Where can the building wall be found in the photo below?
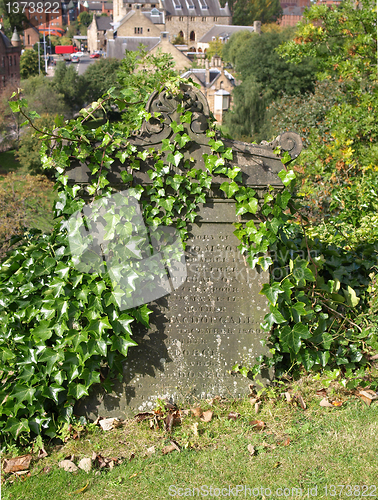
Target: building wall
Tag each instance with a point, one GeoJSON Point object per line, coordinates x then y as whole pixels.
{"type": "Point", "coordinates": [197, 25]}
{"type": "Point", "coordinates": [139, 25]}
{"type": "Point", "coordinates": [31, 37]}
{"type": "Point", "coordinates": [92, 37]}
{"type": "Point", "coordinates": [181, 61]}
{"type": "Point", "coordinates": [289, 20]}
{"type": "Point", "coordinates": [9, 66]}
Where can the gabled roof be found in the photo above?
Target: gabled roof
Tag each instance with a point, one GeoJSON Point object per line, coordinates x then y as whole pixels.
{"type": "Point", "coordinates": [103, 22]}
{"type": "Point", "coordinates": [214, 74]}
{"type": "Point", "coordinates": [197, 8]}
{"type": "Point", "coordinates": [5, 40]}
{"type": "Point", "coordinates": [123, 20]}
{"type": "Point", "coordinates": [116, 48]}
{"type": "Point", "coordinates": [223, 32]}
{"type": "Point", "coordinates": [155, 16]}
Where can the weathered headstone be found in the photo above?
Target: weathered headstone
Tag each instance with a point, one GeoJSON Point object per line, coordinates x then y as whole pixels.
{"type": "Point", "coordinates": [213, 320]}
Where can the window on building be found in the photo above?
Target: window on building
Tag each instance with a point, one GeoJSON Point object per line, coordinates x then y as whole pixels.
{"type": "Point", "coordinates": [221, 85]}
{"type": "Point", "coordinates": [192, 36]}
{"type": "Point", "coordinates": [138, 31]}
{"type": "Point", "coordinates": [215, 19]}
{"type": "Point", "coordinates": [181, 18]}
{"type": "Point", "coordinates": [204, 19]}
{"type": "Point", "coordinates": [3, 62]}
{"type": "Point", "coordinates": [192, 18]}
{"type": "Point", "coordinates": [14, 60]}
{"type": "Point", "coordinates": [10, 61]}
{"type": "Point", "coordinates": [169, 18]}
{"type": "Point", "coordinates": [28, 39]}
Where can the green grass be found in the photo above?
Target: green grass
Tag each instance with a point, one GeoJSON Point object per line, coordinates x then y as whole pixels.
{"type": "Point", "coordinates": [328, 446]}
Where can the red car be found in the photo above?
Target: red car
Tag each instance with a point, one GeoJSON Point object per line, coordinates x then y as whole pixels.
{"type": "Point", "coordinates": [95, 55]}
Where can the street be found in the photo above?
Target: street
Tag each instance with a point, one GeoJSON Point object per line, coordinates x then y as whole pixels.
{"type": "Point", "coordinates": [81, 66]}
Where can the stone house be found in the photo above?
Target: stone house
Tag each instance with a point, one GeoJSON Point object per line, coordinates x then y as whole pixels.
{"type": "Point", "coordinates": [153, 44]}
{"type": "Point", "coordinates": [188, 19]}
{"type": "Point", "coordinates": [223, 33]}
{"type": "Point", "coordinates": [217, 85]}
{"type": "Point", "coordinates": [96, 33]}
{"type": "Point", "coordinates": [10, 52]}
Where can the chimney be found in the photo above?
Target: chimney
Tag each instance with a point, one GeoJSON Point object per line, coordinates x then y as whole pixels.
{"type": "Point", "coordinates": [257, 27]}
{"type": "Point", "coordinates": [207, 72]}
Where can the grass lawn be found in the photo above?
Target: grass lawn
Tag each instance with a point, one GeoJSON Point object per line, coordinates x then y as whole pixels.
{"type": "Point", "coordinates": [313, 451]}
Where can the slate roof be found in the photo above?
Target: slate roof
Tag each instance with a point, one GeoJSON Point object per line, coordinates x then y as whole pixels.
{"type": "Point", "coordinates": [155, 16]}
{"type": "Point", "coordinates": [5, 40]}
{"type": "Point", "coordinates": [116, 48]}
{"type": "Point", "coordinates": [214, 73]}
{"type": "Point", "coordinates": [204, 8]}
{"type": "Point", "coordinates": [223, 32]}
{"type": "Point", "coordinates": [103, 23]}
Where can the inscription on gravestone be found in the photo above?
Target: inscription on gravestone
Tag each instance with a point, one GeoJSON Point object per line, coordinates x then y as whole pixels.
{"type": "Point", "coordinates": [212, 321]}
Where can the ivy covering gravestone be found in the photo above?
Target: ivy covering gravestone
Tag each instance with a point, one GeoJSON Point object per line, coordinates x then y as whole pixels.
{"type": "Point", "coordinates": [62, 329]}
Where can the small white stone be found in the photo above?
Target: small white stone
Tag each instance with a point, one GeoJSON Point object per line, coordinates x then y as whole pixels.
{"type": "Point", "coordinates": [85, 464]}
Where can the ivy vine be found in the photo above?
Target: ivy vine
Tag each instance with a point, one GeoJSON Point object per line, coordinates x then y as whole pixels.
{"type": "Point", "coordinates": [62, 330]}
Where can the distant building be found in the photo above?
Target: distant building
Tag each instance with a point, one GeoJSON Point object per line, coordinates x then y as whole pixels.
{"type": "Point", "coordinates": [117, 47]}
{"type": "Point", "coordinates": [293, 11]}
{"type": "Point", "coordinates": [97, 33]}
{"type": "Point", "coordinates": [10, 52]}
{"type": "Point", "coordinates": [188, 19]}
{"type": "Point", "coordinates": [223, 33]}
{"type": "Point", "coordinates": [217, 85]}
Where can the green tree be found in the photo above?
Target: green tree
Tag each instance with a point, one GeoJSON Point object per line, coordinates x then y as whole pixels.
{"type": "Point", "coordinates": [29, 151]}
{"type": "Point", "coordinates": [68, 83]}
{"type": "Point", "coordinates": [215, 48]}
{"type": "Point", "coordinates": [84, 19]}
{"type": "Point", "coordinates": [245, 12]}
{"type": "Point", "coordinates": [99, 77]}
{"type": "Point", "coordinates": [43, 97]}
{"type": "Point", "coordinates": [29, 65]}
{"type": "Point", "coordinates": [10, 18]}
{"type": "Point", "coordinates": [265, 76]}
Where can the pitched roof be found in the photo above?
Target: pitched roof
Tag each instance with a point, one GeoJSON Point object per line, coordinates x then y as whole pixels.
{"type": "Point", "coordinates": [155, 16]}
{"type": "Point", "coordinates": [103, 23]}
{"type": "Point", "coordinates": [195, 8]}
{"type": "Point", "coordinates": [117, 47]}
{"type": "Point", "coordinates": [223, 32]}
{"type": "Point", "coordinates": [5, 39]}
{"type": "Point", "coordinates": [214, 74]}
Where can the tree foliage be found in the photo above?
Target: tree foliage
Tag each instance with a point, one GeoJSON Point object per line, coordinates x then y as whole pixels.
{"type": "Point", "coordinates": [100, 76]}
{"type": "Point", "coordinates": [11, 19]}
{"type": "Point", "coordinates": [29, 65]}
{"type": "Point", "coordinates": [245, 12]}
{"type": "Point", "coordinates": [265, 76]}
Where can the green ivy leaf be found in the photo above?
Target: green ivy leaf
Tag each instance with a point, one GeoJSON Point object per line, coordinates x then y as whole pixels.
{"type": "Point", "coordinates": [286, 177]}
{"type": "Point", "coordinates": [230, 188]}
{"type": "Point", "coordinates": [175, 158]}
{"type": "Point", "coordinates": [271, 292]}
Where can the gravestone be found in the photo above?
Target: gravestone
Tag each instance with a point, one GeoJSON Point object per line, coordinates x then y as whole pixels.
{"type": "Point", "coordinates": [211, 322]}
